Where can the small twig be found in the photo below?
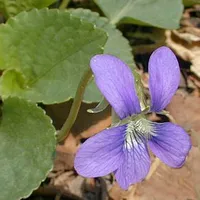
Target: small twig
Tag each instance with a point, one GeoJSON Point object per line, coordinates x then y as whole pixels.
{"type": "Point", "coordinates": [154, 167]}
{"type": "Point", "coordinates": [171, 118]}
{"type": "Point", "coordinates": [130, 194]}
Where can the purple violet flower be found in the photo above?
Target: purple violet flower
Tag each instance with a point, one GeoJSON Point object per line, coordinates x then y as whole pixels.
{"type": "Point", "coordinates": [123, 149]}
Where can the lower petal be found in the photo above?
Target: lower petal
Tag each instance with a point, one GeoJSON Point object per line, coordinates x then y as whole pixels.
{"type": "Point", "coordinates": [101, 154]}
{"type": "Point", "coordinates": [171, 144]}
{"type": "Point", "coordinates": [135, 166]}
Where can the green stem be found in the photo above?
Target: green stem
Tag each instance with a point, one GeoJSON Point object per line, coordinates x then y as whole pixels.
{"type": "Point", "coordinates": [64, 132]}
{"type": "Point", "coordinates": [64, 4]}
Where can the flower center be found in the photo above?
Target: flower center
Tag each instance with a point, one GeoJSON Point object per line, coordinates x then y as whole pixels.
{"type": "Point", "coordinates": [137, 132]}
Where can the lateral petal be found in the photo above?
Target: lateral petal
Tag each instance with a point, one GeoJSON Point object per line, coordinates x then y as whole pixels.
{"type": "Point", "coordinates": [171, 144]}
{"type": "Point", "coordinates": [101, 154]}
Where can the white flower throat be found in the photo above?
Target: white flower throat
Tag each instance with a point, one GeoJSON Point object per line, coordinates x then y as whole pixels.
{"type": "Point", "coordinates": [138, 131]}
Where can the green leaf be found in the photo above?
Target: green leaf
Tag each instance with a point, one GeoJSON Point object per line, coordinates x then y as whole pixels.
{"type": "Point", "coordinates": [159, 13]}
{"type": "Point", "coordinates": [27, 146]}
{"type": "Point", "coordinates": [48, 51]}
{"type": "Point", "coordinates": [12, 82]}
{"type": "Point", "coordinates": [116, 44]}
{"type": "Point", "coordinates": [12, 7]}
{"type": "Point", "coordinates": [121, 48]}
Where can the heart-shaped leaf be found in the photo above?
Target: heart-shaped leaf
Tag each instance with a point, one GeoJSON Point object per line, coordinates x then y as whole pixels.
{"type": "Point", "coordinates": [10, 8]}
{"type": "Point", "coordinates": [46, 53]}
{"type": "Point", "coordinates": [27, 146]}
{"type": "Point", "coordinates": [159, 13]}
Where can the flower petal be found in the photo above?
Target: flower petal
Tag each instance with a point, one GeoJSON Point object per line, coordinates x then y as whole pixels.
{"type": "Point", "coordinates": [164, 77]}
{"type": "Point", "coordinates": [116, 82]}
{"type": "Point", "coordinates": [135, 167]}
{"type": "Point", "coordinates": [171, 144]}
{"type": "Point", "coordinates": [101, 154]}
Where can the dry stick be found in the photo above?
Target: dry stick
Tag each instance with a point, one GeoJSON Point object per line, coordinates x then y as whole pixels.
{"type": "Point", "coordinates": [154, 166]}
{"type": "Point", "coordinates": [64, 132]}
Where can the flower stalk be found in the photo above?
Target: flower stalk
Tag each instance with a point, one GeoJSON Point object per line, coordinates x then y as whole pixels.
{"type": "Point", "coordinates": [64, 132]}
{"type": "Point", "coordinates": [64, 4]}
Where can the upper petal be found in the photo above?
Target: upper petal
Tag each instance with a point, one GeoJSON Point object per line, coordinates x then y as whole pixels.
{"type": "Point", "coordinates": [135, 167]}
{"type": "Point", "coordinates": [164, 77]}
{"type": "Point", "coordinates": [116, 82]}
{"type": "Point", "coordinates": [101, 154]}
{"type": "Point", "coordinates": [171, 144]}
